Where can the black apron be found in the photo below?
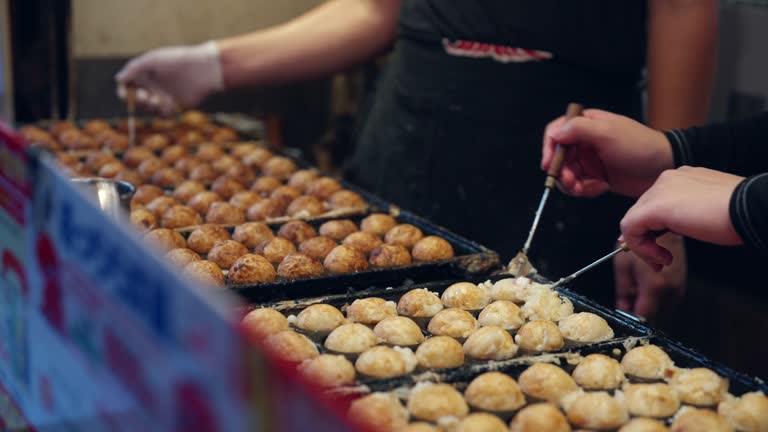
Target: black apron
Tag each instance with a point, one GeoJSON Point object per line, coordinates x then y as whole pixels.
{"type": "Point", "coordinates": [458, 140]}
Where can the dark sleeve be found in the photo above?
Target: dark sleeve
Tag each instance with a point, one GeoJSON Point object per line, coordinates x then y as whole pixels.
{"type": "Point", "coordinates": [739, 147]}
{"type": "Point", "coordinates": [749, 212]}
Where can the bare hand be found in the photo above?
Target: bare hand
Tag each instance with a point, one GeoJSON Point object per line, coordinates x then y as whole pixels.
{"type": "Point", "coordinates": [693, 202]}
{"type": "Point", "coordinates": [606, 152]}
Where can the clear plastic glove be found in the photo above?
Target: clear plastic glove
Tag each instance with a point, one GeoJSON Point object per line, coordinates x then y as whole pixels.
{"type": "Point", "coordinates": [693, 202]}
{"type": "Point", "coordinates": [172, 78]}
{"type": "Point", "coordinates": [640, 290]}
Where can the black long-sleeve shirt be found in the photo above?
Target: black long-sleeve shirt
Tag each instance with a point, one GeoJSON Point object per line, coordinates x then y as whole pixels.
{"type": "Point", "coordinates": [740, 148]}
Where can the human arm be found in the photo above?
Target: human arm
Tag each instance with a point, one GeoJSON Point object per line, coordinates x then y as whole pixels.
{"type": "Point", "coordinates": [328, 38]}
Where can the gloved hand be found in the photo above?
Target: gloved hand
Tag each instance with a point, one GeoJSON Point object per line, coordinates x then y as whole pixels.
{"type": "Point", "coordinates": [172, 78]}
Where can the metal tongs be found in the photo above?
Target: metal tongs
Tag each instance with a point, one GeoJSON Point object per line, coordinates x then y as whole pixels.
{"type": "Point", "coordinates": [521, 259]}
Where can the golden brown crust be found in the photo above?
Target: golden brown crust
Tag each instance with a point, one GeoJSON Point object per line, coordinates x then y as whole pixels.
{"type": "Point", "coordinates": [440, 352]}
{"type": "Point", "coordinates": [252, 234]}
{"type": "Point", "coordinates": [143, 219]}
{"type": "Point", "coordinates": [301, 179]}
{"type": "Point", "coordinates": [337, 229]}
{"type": "Point", "coordinates": [388, 255]}
{"type": "Point", "coordinates": [364, 241]}
{"type": "Point", "coordinates": [245, 199]}
{"type": "Point", "coordinates": [161, 204]}
{"type": "Point", "coordinates": [180, 216]}
{"type": "Point", "coordinates": [205, 272]}
{"type": "Point", "coordinates": [279, 167]}
{"type": "Point", "coordinates": [188, 189]}
{"type": "Point", "coordinates": [297, 231]}
{"type": "Point", "coordinates": [432, 248]}
{"type": "Point", "coordinates": [296, 266]}
{"type": "Point", "coordinates": [405, 235]}
{"type": "Point", "coordinates": [225, 213]}
{"type": "Point", "coordinates": [168, 178]}
{"type": "Point", "coordinates": [275, 249]}
{"type": "Point", "coordinates": [378, 223]}
{"type": "Point", "coordinates": [345, 198]}
{"type": "Point", "coordinates": [345, 259]}
{"type": "Point", "coordinates": [323, 187]}
{"type": "Point", "coordinates": [251, 269]}
{"type": "Point", "coordinates": [165, 239]}
{"type": "Point", "coordinates": [180, 257]}
{"type": "Point", "coordinates": [224, 253]}
{"type": "Point", "coordinates": [429, 401]}
{"type": "Point", "coordinates": [317, 247]}
{"type": "Point", "coordinates": [202, 239]}
{"type": "Point", "coordinates": [226, 187]}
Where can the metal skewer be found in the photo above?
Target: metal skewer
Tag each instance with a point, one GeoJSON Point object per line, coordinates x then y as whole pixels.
{"type": "Point", "coordinates": [574, 110]}
{"type": "Point", "coordinates": [130, 100]}
{"type": "Point", "coordinates": [622, 248]}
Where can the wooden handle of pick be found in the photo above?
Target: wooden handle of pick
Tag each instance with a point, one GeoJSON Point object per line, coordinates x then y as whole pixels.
{"type": "Point", "coordinates": [574, 110]}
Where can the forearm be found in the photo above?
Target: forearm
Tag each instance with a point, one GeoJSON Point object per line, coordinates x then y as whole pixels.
{"type": "Point", "coordinates": [332, 36]}
{"type": "Point", "coordinates": [682, 52]}
{"type": "Point", "coordinates": [749, 211]}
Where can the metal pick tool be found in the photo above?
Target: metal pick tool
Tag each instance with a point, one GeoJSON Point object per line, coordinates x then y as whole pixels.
{"type": "Point", "coordinates": [521, 259]}
{"type": "Point", "coordinates": [130, 101]}
{"type": "Point", "coordinates": [622, 248]}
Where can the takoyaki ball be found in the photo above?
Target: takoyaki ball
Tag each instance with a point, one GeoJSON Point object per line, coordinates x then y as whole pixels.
{"type": "Point", "coordinates": [225, 214]}
{"type": "Point", "coordinates": [202, 239]}
{"type": "Point", "coordinates": [117, 143]}
{"type": "Point", "coordinates": [494, 391]}
{"type": "Point", "coordinates": [490, 343]}
{"type": "Point", "coordinates": [328, 370]}
{"type": "Point", "coordinates": [81, 141]}
{"type": "Point", "coordinates": [466, 295]}
{"type": "Point", "coordinates": [385, 362]}
{"type": "Point", "coordinates": [456, 323]}
{"type": "Point", "coordinates": [265, 209]}
{"type": "Point", "coordinates": [222, 164]}
{"type": "Point", "coordinates": [257, 158]}
{"type": "Point", "coordinates": [297, 231]}
{"type": "Point", "coordinates": [317, 247]}
{"type": "Point", "coordinates": [338, 229]}
{"type": "Point", "coordinates": [598, 372]}
{"type": "Point", "coordinates": [205, 272]}
{"type": "Point", "coordinates": [540, 417]}
{"type": "Point", "coordinates": [245, 199]}
{"type": "Point", "coordinates": [168, 178]}
{"type": "Point", "coordinates": [279, 167]}
{"type": "Point", "coordinates": [194, 118]}
{"type": "Point", "coordinates": [371, 310]}
{"type": "Point", "coordinates": [301, 179]}
{"type": "Point", "coordinates": [419, 303]}
{"type": "Point", "coordinates": [431, 402]}
{"type": "Point", "coordinates": [225, 252]}
{"type": "Point", "coordinates": [440, 352]}
{"type": "Point", "coordinates": [145, 194]}
{"type": "Point", "coordinates": [364, 241]}
{"type": "Point", "coordinates": [539, 335]}
{"type": "Point", "coordinates": [389, 255]}
{"type": "Point", "coordinates": [747, 413]}
{"type": "Point", "coordinates": [180, 257]}
{"type": "Point", "coordinates": [285, 195]}
{"type": "Point", "coordinates": [190, 139]}
{"type": "Point", "coordinates": [187, 163]}
{"type": "Point", "coordinates": [240, 150]}
{"type": "Point", "coordinates": [275, 249]}
{"type": "Point", "coordinates": [188, 189]}
{"type": "Point", "coordinates": [149, 167]}
{"type": "Point", "coordinates": [345, 199]}
{"type": "Point", "coordinates": [251, 269]}
{"type": "Point", "coordinates": [133, 157]}
{"type": "Point", "coordinates": [161, 204]}
{"type": "Point", "coordinates": [350, 339]}
{"type": "Point", "coordinates": [155, 142]}
{"type": "Point", "coordinates": [700, 386]}
{"type": "Point", "coordinates": [692, 419]}
{"type": "Point", "coordinates": [131, 176]}
{"type": "Point", "coordinates": [400, 331]}
{"type": "Point", "coordinates": [224, 135]}
{"type": "Point", "coordinates": [162, 124]}
{"type": "Point", "coordinates": [226, 187]}
{"type": "Point", "coordinates": [58, 127]}
{"type": "Point", "coordinates": [265, 185]}
{"type": "Point", "coordinates": [596, 410]}
{"type": "Point", "coordinates": [319, 318]}
{"type": "Point", "coordinates": [305, 206]}
{"type": "Point", "coordinates": [405, 235]}
{"type": "Point", "coordinates": [291, 346]}
{"type": "Point", "coordinates": [93, 127]}
{"type": "Point", "coordinates": [345, 259]}
{"type": "Point", "coordinates": [585, 327]}
{"type": "Point", "coordinates": [180, 216]}
{"type": "Point", "coordinates": [34, 134]}
{"type": "Point", "coordinates": [547, 382]}
{"type": "Point", "coordinates": [97, 159]}
{"type": "Point", "coordinates": [209, 152]}
{"type": "Point", "coordinates": [165, 239]}
{"type": "Point", "coordinates": [378, 411]}
{"type": "Point", "coordinates": [651, 400]}
{"type": "Point", "coordinates": [640, 424]}
{"type": "Point", "coordinates": [123, 125]}
{"type": "Point", "coordinates": [111, 169]}
{"type": "Point", "coordinates": [432, 248]}
{"type": "Point", "coordinates": [203, 173]}
{"type": "Point", "coordinates": [173, 154]}
{"type": "Point", "coordinates": [323, 187]}
{"type": "Point", "coordinates": [263, 322]}
{"type": "Point", "coordinates": [69, 138]}
{"type": "Point", "coordinates": [143, 219]}
{"type": "Point", "coordinates": [241, 173]}
{"type": "Point", "coordinates": [501, 313]}
{"type": "Point", "coordinates": [481, 421]}
{"type": "Point", "coordinates": [548, 305]}
{"type": "Point", "coordinates": [297, 266]}
{"type": "Point", "coordinates": [202, 201]}
{"type": "Point", "coordinates": [647, 362]}
{"type": "Point", "coordinates": [67, 159]}
{"type": "Point", "coordinates": [252, 234]}
{"type": "Point", "coordinates": [102, 137]}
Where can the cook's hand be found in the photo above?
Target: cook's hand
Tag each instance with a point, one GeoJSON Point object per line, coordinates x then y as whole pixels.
{"type": "Point", "coordinates": [606, 152]}
{"type": "Point", "coordinates": [692, 202]}
{"type": "Point", "coordinates": [640, 290]}
{"type": "Point", "coordinates": [172, 78]}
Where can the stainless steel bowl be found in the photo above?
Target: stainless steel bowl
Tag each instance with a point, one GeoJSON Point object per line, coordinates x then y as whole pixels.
{"type": "Point", "coordinates": [113, 196]}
